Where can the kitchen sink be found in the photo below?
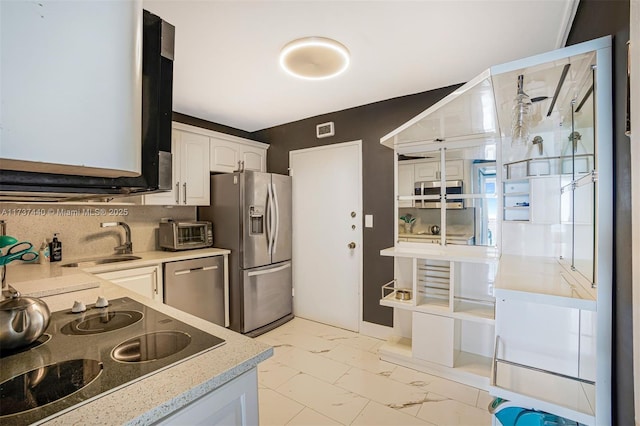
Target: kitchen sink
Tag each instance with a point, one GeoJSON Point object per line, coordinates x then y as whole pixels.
{"type": "Point", "coordinates": [85, 263]}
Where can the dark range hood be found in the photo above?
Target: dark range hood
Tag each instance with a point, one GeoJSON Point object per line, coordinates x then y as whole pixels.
{"type": "Point", "coordinates": [157, 87]}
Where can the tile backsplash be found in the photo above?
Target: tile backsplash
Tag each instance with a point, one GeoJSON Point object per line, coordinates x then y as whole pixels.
{"type": "Point", "coordinates": [78, 225]}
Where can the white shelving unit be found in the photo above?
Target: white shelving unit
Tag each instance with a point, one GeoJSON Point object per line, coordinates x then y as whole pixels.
{"type": "Point", "coordinates": [449, 320]}
{"type": "Point", "coordinates": [544, 341]}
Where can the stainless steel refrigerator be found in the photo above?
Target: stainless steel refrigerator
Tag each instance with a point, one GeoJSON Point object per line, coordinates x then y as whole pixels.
{"type": "Point", "coordinates": [251, 216]}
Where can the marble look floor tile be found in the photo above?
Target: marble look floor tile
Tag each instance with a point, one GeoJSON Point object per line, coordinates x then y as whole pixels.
{"type": "Point", "coordinates": [364, 343]}
{"type": "Point", "coordinates": [307, 342]}
{"type": "Point", "coordinates": [378, 414]}
{"type": "Point", "coordinates": [429, 383]}
{"type": "Point", "coordinates": [275, 409]}
{"type": "Point", "coordinates": [273, 374]}
{"type": "Point", "coordinates": [412, 377]}
{"type": "Point", "coordinates": [329, 400]}
{"type": "Point", "coordinates": [301, 325]}
{"type": "Point", "coordinates": [453, 390]}
{"type": "Point", "coordinates": [314, 365]}
{"type": "Point", "coordinates": [484, 399]}
{"type": "Point", "coordinates": [381, 389]}
{"type": "Point", "coordinates": [278, 346]}
{"type": "Point", "coordinates": [377, 346]}
{"type": "Point", "coordinates": [309, 417]}
{"type": "Point", "coordinates": [447, 412]}
{"type": "Point", "coordinates": [361, 359]}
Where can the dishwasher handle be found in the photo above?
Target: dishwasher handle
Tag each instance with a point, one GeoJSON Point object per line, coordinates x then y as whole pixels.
{"type": "Point", "coordinates": [190, 270]}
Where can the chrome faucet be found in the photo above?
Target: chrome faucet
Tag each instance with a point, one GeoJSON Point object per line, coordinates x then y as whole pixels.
{"type": "Point", "coordinates": [127, 247]}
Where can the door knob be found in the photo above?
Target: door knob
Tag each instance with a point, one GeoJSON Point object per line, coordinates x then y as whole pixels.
{"type": "Point", "coordinates": [352, 245]}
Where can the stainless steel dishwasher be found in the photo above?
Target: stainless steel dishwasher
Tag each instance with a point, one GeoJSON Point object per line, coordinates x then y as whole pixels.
{"type": "Point", "coordinates": [197, 286]}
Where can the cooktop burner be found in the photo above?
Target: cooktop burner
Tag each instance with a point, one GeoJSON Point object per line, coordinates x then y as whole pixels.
{"type": "Point", "coordinates": [151, 346]}
{"type": "Point", "coordinates": [91, 354]}
{"type": "Point", "coordinates": [39, 341]}
{"type": "Point", "coordinates": [102, 322]}
{"type": "Point", "coordinates": [44, 385]}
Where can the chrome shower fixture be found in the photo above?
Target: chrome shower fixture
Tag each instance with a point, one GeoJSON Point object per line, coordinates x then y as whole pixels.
{"type": "Point", "coordinates": [520, 115]}
{"type": "Point", "coordinates": [538, 141]}
{"type": "Point", "coordinates": [574, 138]}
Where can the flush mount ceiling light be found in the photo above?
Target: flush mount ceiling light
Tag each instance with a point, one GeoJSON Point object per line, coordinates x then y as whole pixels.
{"type": "Point", "coordinates": [314, 58]}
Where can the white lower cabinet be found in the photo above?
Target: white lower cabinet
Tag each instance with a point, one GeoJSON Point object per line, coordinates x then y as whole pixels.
{"type": "Point", "coordinates": [146, 281]}
{"type": "Point", "coordinates": [435, 338]}
{"type": "Point", "coordinates": [538, 335]}
{"type": "Point", "coordinates": [556, 339]}
{"type": "Point", "coordinates": [235, 403]}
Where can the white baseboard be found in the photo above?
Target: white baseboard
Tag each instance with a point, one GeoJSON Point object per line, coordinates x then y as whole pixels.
{"type": "Point", "coordinates": [375, 330]}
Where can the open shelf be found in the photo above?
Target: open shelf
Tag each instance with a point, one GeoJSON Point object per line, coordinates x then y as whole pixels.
{"type": "Point", "coordinates": [469, 369]}
{"type": "Point", "coordinates": [479, 309]}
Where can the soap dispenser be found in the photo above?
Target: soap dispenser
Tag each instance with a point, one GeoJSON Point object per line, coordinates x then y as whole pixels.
{"type": "Point", "coordinates": [55, 249]}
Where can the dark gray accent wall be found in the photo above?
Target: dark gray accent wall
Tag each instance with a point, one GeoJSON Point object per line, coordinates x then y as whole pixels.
{"type": "Point", "coordinates": [367, 123]}
{"type": "Point", "coordinates": [597, 18]}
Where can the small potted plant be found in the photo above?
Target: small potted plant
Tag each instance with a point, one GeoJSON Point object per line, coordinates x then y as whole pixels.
{"type": "Point", "coordinates": [408, 220]}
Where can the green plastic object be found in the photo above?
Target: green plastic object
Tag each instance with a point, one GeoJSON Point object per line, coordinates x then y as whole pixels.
{"type": "Point", "coordinates": [7, 240]}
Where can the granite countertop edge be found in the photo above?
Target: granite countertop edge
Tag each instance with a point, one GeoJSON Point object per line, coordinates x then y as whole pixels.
{"type": "Point", "coordinates": [196, 392]}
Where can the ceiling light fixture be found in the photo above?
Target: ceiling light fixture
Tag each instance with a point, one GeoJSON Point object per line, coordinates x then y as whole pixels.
{"type": "Point", "coordinates": [314, 58]}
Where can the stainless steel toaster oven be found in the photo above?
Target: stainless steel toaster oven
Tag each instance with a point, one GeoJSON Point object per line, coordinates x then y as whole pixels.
{"type": "Point", "coordinates": [185, 235]}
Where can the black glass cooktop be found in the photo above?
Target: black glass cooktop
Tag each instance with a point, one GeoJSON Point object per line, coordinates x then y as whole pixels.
{"type": "Point", "coordinates": [91, 354]}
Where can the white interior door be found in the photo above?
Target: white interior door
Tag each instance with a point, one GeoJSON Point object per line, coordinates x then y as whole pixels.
{"type": "Point", "coordinates": [327, 218]}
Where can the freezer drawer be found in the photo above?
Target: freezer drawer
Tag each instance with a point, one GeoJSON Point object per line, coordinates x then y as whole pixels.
{"type": "Point", "coordinates": [267, 295]}
{"type": "Point", "coordinates": [197, 287]}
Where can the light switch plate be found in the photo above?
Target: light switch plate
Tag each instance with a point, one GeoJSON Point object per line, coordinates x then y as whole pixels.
{"type": "Point", "coordinates": [368, 221]}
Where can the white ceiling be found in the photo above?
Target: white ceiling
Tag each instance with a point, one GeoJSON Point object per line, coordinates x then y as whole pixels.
{"type": "Point", "coordinates": [226, 62]}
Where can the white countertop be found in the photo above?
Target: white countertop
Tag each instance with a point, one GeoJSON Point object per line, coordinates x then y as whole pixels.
{"type": "Point", "coordinates": [37, 280]}
{"type": "Point", "coordinates": [148, 400]}
{"type": "Point", "coordinates": [456, 253]}
{"type": "Point", "coordinates": [542, 280]}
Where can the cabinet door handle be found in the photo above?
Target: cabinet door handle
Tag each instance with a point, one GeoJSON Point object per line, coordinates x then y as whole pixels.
{"type": "Point", "coordinates": [177, 192]}
{"type": "Point", "coordinates": [184, 187]}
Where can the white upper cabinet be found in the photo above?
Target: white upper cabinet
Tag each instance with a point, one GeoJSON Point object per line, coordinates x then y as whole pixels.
{"type": "Point", "coordinates": [195, 183]}
{"type": "Point", "coordinates": [190, 172]}
{"type": "Point", "coordinates": [225, 156]}
{"type": "Point", "coordinates": [71, 85]}
{"type": "Point", "coordinates": [406, 183]}
{"type": "Point", "coordinates": [431, 170]}
{"type": "Point", "coordinates": [230, 153]}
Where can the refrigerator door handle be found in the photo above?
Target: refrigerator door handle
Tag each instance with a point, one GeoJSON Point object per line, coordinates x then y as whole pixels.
{"type": "Point", "coordinates": [275, 234]}
{"type": "Point", "coordinates": [270, 221]}
{"type": "Point", "coordinates": [270, 271]}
